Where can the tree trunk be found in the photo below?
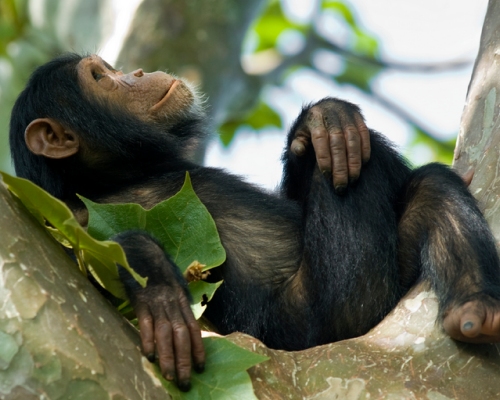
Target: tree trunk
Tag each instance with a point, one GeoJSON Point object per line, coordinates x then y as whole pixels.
{"type": "Point", "coordinates": [60, 340]}
{"type": "Point", "coordinates": [478, 141]}
{"type": "Point", "coordinates": [198, 39]}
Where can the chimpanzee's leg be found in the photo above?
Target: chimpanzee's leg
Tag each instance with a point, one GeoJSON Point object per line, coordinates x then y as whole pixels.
{"type": "Point", "coordinates": [349, 268]}
{"type": "Point", "coordinates": [444, 238]}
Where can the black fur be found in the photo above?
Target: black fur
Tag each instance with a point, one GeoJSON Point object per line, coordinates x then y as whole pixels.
{"type": "Point", "coordinates": [148, 258]}
{"type": "Point", "coordinates": [305, 266]}
{"type": "Point", "coordinates": [53, 91]}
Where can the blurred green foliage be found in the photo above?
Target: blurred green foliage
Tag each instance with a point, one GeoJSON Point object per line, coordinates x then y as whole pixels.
{"type": "Point", "coordinates": [441, 150]}
{"type": "Point", "coordinates": [25, 44]}
{"type": "Point", "coordinates": [271, 24]}
{"type": "Point", "coordinates": [14, 20]}
{"type": "Point", "coordinates": [364, 42]}
{"type": "Point", "coordinates": [260, 117]}
{"type": "Point", "coordinates": [361, 64]}
{"type": "Point", "coordinates": [21, 50]}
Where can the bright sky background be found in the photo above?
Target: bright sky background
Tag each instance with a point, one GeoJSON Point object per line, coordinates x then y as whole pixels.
{"type": "Point", "coordinates": [408, 31]}
{"type": "Point", "coordinates": [418, 31]}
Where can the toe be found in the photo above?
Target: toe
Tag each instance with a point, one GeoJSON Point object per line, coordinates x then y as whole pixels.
{"type": "Point", "coordinates": [472, 316]}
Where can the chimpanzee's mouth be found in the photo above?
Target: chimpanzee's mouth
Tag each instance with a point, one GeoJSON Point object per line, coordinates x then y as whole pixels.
{"type": "Point", "coordinates": [166, 96]}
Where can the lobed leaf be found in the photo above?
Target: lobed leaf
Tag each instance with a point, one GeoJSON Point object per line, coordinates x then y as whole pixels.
{"type": "Point", "coordinates": [102, 256]}
{"type": "Point", "coordinates": [181, 223]}
{"type": "Point", "coordinates": [201, 290]}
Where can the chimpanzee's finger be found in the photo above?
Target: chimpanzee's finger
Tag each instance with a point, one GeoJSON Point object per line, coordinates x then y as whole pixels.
{"type": "Point", "coordinates": [353, 145]}
{"type": "Point", "coordinates": [163, 339]}
{"type": "Point", "coordinates": [320, 140]}
{"type": "Point", "coordinates": [182, 345]}
{"type": "Point", "coordinates": [468, 176]}
{"type": "Point", "coordinates": [146, 327]}
{"type": "Point", "coordinates": [299, 144]}
{"type": "Point", "coordinates": [340, 171]}
{"type": "Point", "coordinates": [197, 348]}
{"type": "Point", "coordinates": [364, 134]}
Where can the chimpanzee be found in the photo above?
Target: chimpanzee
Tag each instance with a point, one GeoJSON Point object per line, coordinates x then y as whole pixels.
{"type": "Point", "coordinates": [324, 259]}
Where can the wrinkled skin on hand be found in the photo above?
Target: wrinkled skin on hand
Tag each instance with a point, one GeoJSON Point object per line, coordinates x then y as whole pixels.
{"type": "Point", "coordinates": [168, 329]}
{"type": "Point", "coordinates": [340, 138]}
{"type": "Point", "coordinates": [170, 332]}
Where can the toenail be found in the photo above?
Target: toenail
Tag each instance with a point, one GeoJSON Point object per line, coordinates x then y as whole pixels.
{"type": "Point", "coordinates": [468, 326]}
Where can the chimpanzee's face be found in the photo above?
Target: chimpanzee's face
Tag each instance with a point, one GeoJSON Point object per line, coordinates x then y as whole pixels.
{"type": "Point", "coordinates": [155, 96]}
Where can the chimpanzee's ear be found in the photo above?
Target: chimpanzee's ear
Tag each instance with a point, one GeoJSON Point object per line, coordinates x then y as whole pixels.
{"type": "Point", "coordinates": [47, 137]}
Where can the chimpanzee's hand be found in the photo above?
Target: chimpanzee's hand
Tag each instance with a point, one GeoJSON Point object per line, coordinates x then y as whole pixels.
{"type": "Point", "coordinates": [340, 139]}
{"type": "Point", "coordinates": [169, 330]}
{"type": "Point", "coordinates": [167, 325]}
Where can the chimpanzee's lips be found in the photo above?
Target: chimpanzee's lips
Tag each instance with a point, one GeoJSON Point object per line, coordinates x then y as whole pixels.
{"type": "Point", "coordinates": [168, 93]}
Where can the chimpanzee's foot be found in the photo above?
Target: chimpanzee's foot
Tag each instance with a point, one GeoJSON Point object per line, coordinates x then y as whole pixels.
{"type": "Point", "coordinates": [476, 321]}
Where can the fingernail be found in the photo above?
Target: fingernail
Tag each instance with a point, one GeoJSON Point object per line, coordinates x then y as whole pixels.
{"type": "Point", "coordinates": [199, 368]}
{"type": "Point", "coordinates": [151, 357]}
{"type": "Point", "coordinates": [169, 377]}
{"type": "Point", "coordinates": [298, 150]}
{"type": "Point", "coordinates": [340, 189]}
{"type": "Point", "coordinates": [184, 386]}
{"type": "Point", "coordinates": [326, 173]}
{"type": "Point", "coordinates": [468, 326]}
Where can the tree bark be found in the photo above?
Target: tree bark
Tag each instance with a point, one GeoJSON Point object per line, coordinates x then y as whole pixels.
{"type": "Point", "coordinates": [198, 39]}
{"type": "Point", "coordinates": [478, 141]}
{"type": "Point", "coordinates": [60, 339]}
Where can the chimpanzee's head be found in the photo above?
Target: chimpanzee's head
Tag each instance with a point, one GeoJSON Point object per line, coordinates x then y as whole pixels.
{"type": "Point", "coordinates": [79, 113]}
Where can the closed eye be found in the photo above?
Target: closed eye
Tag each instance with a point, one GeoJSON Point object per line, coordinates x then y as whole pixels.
{"type": "Point", "coordinates": [109, 66]}
{"type": "Point", "coordinates": [97, 76]}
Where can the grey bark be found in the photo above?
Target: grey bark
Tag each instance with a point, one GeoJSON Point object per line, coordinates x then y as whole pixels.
{"type": "Point", "coordinates": [198, 39]}
{"type": "Point", "coordinates": [53, 341]}
{"type": "Point", "coordinates": [478, 143]}
{"type": "Point", "coordinates": [59, 338]}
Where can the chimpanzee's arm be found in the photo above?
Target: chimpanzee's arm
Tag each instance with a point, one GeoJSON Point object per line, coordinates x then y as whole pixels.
{"type": "Point", "coordinates": [349, 264]}
{"type": "Point", "coordinates": [166, 322]}
{"type": "Point", "coordinates": [339, 137]}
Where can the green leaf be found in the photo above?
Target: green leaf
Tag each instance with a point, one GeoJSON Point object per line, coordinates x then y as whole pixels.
{"type": "Point", "coordinates": [107, 220]}
{"type": "Point", "coordinates": [364, 43]}
{"type": "Point", "coordinates": [342, 9]}
{"type": "Point", "coordinates": [263, 115]}
{"type": "Point", "coordinates": [201, 290]}
{"type": "Point", "coordinates": [442, 150]}
{"type": "Point", "coordinates": [271, 24]}
{"type": "Point", "coordinates": [227, 131]}
{"type": "Point", "coordinates": [259, 117]}
{"type": "Point", "coordinates": [181, 223]}
{"type": "Point", "coordinates": [225, 376]}
{"type": "Point", "coordinates": [102, 257]}
{"type": "Point", "coordinates": [359, 75]}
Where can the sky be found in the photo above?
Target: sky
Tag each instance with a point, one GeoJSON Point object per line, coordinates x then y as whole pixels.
{"type": "Point", "coordinates": [410, 31]}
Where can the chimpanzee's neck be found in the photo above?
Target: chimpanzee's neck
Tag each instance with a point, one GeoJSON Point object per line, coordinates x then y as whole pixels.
{"type": "Point", "coordinates": [98, 181]}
